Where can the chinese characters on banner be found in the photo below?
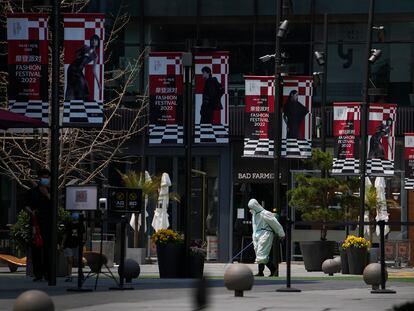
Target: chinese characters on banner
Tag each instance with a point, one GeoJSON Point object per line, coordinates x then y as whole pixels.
{"type": "Point", "coordinates": [259, 115]}
{"type": "Point", "coordinates": [211, 97]}
{"type": "Point", "coordinates": [381, 138]}
{"type": "Point", "coordinates": [166, 98]}
{"type": "Point", "coordinates": [296, 116]}
{"type": "Point", "coordinates": [27, 37]}
{"type": "Point", "coordinates": [409, 160]}
{"type": "Point", "coordinates": [84, 70]}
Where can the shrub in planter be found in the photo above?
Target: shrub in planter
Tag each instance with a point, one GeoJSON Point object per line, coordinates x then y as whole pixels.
{"type": "Point", "coordinates": [170, 253]}
{"type": "Point", "coordinates": [198, 253]}
{"type": "Point", "coordinates": [357, 251]}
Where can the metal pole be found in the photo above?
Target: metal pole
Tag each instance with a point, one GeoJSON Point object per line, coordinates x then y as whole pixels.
{"type": "Point", "coordinates": [383, 290]}
{"type": "Point", "coordinates": [277, 154]}
{"type": "Point", "coordinates": [364, 121]}
{"type": "Point", "coordinates": [54, 154]}
{"type": "Point", "coordinates": [324, 82]}
{"type": "Point", "coordinates": [187, 63]}
{"type": "Point", "coordinates": [277, 122]}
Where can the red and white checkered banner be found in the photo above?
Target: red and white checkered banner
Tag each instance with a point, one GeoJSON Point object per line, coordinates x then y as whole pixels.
{"type": "Point", "coordinates": [346, 128]}
{"type": "Point", "coordinates": [297, 117]}
{"type": "Point", "coordinates": [84, 69]}
{"type": "Point", "coordinates": [166, 98]}
{"type": "Point", "coordinates": [258, 116]}
{"type": "Point", "coordinates": [27, 37]}
{"type": "Point", "coordinates": [211, 97]}
{"type": "Point", "coordinates": [409, 160]}
{"type": "Point", "coordinates": [381, 138]}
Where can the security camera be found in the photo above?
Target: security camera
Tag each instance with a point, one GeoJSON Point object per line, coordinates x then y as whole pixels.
{"type": "Point", "coordinates": [103, 202]}
{"type": "Point", "coordinates": [375, 55]}
{"type": "Point", "coordinates": [283, 29]}
{"type": "Point", "coordinates": [266, 58]}
{"type": "Point", "coordinates": [320, 58]}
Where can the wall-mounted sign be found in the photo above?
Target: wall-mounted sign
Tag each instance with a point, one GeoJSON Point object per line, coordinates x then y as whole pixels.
{"type": "Point", "coordinates": [125, 200]}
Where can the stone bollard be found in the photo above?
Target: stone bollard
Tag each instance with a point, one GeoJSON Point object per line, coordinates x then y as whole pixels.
{"type": "Point", "coordinates": [131, 270]}
{"type": "Point", "coordinates": [331, 266]}
{"type": "Point", "coordinates": [238, 277]}
{"type": "Point", "coordinates": [372, 275]}
{"type": "Point", "coordinates": [34, 300]}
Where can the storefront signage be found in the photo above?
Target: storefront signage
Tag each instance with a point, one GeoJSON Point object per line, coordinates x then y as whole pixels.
{"type": "Point", "coordinates": [409, 161]}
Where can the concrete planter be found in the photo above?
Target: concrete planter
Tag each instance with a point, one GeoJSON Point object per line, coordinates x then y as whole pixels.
{"type": "Point", "coordinates": [315, 253]}
{"type": "Point", "coordinates": [357, 259]}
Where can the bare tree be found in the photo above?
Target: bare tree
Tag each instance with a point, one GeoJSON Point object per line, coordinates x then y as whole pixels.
{"type": "Point", "coordinates": [84, 153]}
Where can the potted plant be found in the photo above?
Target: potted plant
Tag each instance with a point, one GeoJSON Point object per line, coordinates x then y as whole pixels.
{"type": "Point", "coordinates": [357, 250]}
{"type": "Point", "coordinates": [20, 232]}
{"type": "Point", "coordinates": [170, 253]}
{"type": "Point", "coordinates": [318, 199]}
{"type": "Point", "coordinates": [198, 253]}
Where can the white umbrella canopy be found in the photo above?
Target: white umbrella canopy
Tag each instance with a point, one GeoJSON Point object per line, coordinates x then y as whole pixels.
{"type": "Point", "coordinates": [132, 220]}
{"type": "Point", "coordinates": [382, 211]}
{"type": "Point", "coordinates": [160, 220]}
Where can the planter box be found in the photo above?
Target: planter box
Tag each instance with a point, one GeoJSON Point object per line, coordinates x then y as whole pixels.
{"type": "Point", "coordinates": [315, 253]}
{"type": "Point", "coordinates": [196, 266]}
{"type": "Point", "coordinates": [357, 260]}
{"type": "Point", "coordinates": [344, 261]}
{"type": "Point", "coordinates": [171, 260]}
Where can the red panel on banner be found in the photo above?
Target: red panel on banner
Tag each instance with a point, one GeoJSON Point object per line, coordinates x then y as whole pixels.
{"type": "Point", "coordinates": [409, 160]}
{"type": "Point", "coordinates": [27, 36]}
{"type": "Point", "coordinates": [84, 69]}
{"type": "Point", "coordinates": [166, 98]}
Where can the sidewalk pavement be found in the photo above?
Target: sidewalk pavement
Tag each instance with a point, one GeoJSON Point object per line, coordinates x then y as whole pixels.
{"type": "Point", "coordinates": [319, 292]}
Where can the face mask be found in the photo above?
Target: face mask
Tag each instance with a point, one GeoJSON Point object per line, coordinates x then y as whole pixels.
{"type": "Point", "coordinates": [44, 181]}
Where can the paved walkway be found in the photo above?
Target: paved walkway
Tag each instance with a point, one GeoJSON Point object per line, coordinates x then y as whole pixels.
{"type": "Point", "coordinates": [319, 292]}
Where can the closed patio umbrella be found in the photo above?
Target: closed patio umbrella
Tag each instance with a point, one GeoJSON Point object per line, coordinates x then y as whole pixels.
{"type": "Point", "coordinates": [382, 212]}
{"type": "Point", "coordinates": [160, 220]}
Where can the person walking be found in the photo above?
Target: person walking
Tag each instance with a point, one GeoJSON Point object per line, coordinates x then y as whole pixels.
{"type": "Point", "coordinates": [265, 226]}
{"type": "Point", "coordinates": [39, 207]}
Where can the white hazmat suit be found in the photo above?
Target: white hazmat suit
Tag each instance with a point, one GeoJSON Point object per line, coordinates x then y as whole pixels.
{"type": "Point", "coordinates": [265, 225]}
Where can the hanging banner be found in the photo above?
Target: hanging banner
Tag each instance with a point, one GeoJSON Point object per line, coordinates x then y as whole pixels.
{"type": "Point", "coordinates": [27, 37]}
{"type": "Point", "coordinates": [380, 142]}
{"type": "Point", "coordinates": [381, 139]}
{"type": "Point", "coordinates": [409, 160]}
{"type": "Point", "coordinates": [211, 97]}
{"type": "Point", "coordinates": [166, 98]}
{"type": "Point", "coordinates": [258, 116]}
{"type": "Point", "coordinates": [346, 128]}
{"type": "Point", "coordinates": [84, 70]}
{"type": "Point", "coordinates": [297, 117]}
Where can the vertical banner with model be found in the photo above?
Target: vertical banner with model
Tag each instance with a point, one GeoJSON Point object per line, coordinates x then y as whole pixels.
{"type": "Point", "coordinates": [409, 160]}
{"type": "Point", "coordinates": [166, 98]}
{"type": "Point", "coordinates": [84, 70]}
{"type": "Point", "coordinates": [211, 97]}
{"type": "Point", "coordinates": [27, 37]}
{"type": "Point", "coordinates": [346, 128]}
{"type": "Point", "coordinates": [381, 138]}
{"type": "Point", "coordinates": [258, 116]}
{"type": "Point", "coordinates": [297, 117]}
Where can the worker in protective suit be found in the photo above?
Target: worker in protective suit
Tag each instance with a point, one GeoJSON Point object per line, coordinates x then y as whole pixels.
{"type": "Point", "coordinates": [265, 226]}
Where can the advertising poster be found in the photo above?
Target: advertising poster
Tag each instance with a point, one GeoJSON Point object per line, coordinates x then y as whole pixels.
{"type": "Point", "coordinates": [380, 141]}
{"type": "Point", "coordinates": [409, 160]}
{"type": "Point", "coordinates": [346, 129]}
{"type": "Point", "coordinates": [259, 115]}
{"type": "Point", "coordinates": [297, 117]}
{"type": "Point", "coordinates": [84, 70]}
{"type": "Point", "coordinates": [211, 98]}
{"type": "Point", "coordinates": [166, 98]}
{"type": "Point", "coordinates": [27, 38]}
